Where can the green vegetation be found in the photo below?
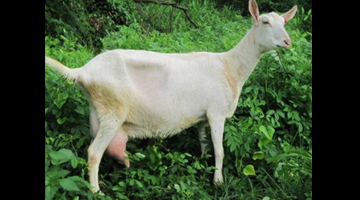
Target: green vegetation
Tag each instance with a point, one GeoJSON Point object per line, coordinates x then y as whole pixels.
{"type": "Point", "coordinates": [268, 142]}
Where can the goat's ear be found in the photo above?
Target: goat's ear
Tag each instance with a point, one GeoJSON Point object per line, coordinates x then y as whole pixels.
{"type": "Point", "coordinates": [290, 14]}
{"type": "Point", "coordinates": [254, 10]}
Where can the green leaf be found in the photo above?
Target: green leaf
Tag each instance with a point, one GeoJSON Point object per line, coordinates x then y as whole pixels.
{"type": "Point", "coordinates": [268, 131]}
{"type": "Point", "coordinates": [233, 147]}
{"type": "Point", "coordinates": [61, 121]}
{"type": "Point", "coordinates": [132, 182]}
{"type": "Point", "coordinates": [259, 155]}
{"type": "Point", "coordinates": [247, 90]}
{"type": "Point", "coordinates": [292, 153]}
{"type": "Point", "coordinates": [69, 185]}
{"type": "Point", "coordinates": [61, 156]}
{"type": "Point", "coordinates": [152, 158]}
{"type": "Point", "coordinates": [50, 192]}
{"type": "Point", "coordinates": [60, 101]}
{"type": "Point", "coordinates": [62, 173]}
{"type": "Point", "coordinates": [140, 156]}
{"type": "Point", "coordinates": [232, 128]}
{"type": "Point", "coordinates": [139, 184]}
{"type": "Point", "coordinates": [177, 188]}
{"type": "Point", "coordinates": [270, 112]}
{"type": "Point", "coordinates": [280, 113]}
{"type": "Point", "coordinates": [74, 162]}
{"type": "Point", "coordinates": [263, 141]}
{"type": "Point", "coordinates": [249, 170]}
{"type": "Point", "coordinates": [263, 129]}
{"type": "Point", "coordinates": [122, 184]}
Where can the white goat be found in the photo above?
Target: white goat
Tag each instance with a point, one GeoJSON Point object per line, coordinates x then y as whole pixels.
{"type": "Point", "coordinates": [142, 94]}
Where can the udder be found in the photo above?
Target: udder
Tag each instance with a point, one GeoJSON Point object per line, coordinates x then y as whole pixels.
{"type": "Point", "coordinates": [117, 148]}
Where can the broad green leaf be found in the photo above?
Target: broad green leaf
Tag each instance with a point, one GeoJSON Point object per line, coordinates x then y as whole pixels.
{"type": "Point", "coordinates": [268, 131]}
{"type": "Point", "coordinates": [80, 110]}
{"type": "Point", "coordinates": [233, 147]}
{"type": "Point", "coordinates": [270, 112]}
{"type": "Point", "coordinates": [74, 162]}
{"type": "Point", "coordinates": [152, 158]}
{"type": "Point", "coordinates": [140, 156]}
{"type": "Point", "coordinates": [263, 129]}
{"type": "Point", "coordinates": [61, 121]}
{"type": "Point", "coordinates": [61, 156]}
{"type": "Point", "coordinates": [122, 184]}
{"type": "Point", "coordinates": [60, 101]}
{"type": "Point", "coordinates": [139, 184]}
{"type": "Point", "coordinates": [280, 113]}
{"type": "Point", "coordinates": [258, 155]}
{"type": "Point", "coordinates": [132, 182]}
{"type": "Point", "coordinates": [69, 185]}
{"type": "Point", "coordinates": [263, 141]}
{"type": "Point", "coordinates": [177, 188]}
{"type": "Point", "coordinates": [249, 170]}
{"type": "Point", "coordinates": [232, 128]}
{"type": "Point", "coordinates": [50, 192]}
{"type": "Point", "coordinates": [63, 173]}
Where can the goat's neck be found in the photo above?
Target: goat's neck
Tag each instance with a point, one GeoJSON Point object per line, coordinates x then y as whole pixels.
{"type": "Point", "coordinates": [244, 57]}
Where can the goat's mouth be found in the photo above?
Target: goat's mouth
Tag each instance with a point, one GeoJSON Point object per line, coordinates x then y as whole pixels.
{"type": "Point", "coordinates": [286, 44]}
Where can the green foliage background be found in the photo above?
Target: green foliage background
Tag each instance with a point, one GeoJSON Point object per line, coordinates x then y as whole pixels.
{"type": "Point", "coordinates": [268, 142]}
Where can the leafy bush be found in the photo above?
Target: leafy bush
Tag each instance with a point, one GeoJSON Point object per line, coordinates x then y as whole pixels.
{"type": "Point", "coordinates": [268, 142]}
{"type": "Point", "coordinates": [267, 5]}
{"type": "Point", "coordinates": [85, 20]}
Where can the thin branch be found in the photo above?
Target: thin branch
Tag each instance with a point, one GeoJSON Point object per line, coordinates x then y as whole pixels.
{"type": "Point", "coordinates": [172, 4]}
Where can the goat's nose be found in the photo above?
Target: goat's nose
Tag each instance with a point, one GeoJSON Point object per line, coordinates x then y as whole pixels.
{"type": "Point", "coordinates": [287, 42]}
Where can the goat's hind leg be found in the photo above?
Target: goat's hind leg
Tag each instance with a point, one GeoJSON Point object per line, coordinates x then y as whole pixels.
{"type": "Point", "coordinates": [117, 146]}
{"type": "Point", "coordinates": [202, 136]}
{"type": "Point", "coordinates": [108, 127]}
{"type": "Point", "coordinates": [94, 123]}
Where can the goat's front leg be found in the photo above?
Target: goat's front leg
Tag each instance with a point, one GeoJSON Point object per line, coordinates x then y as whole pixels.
{"type": "Point", "coordinates": [217, 133]}
{"type": "Point", "coordinates": [117, 147]}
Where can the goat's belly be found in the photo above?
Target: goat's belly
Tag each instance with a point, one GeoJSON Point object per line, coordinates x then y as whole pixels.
{"type": "Point", "coordinates": [162, 117]}
{"type": "Point", "coordinates": [166, 129]}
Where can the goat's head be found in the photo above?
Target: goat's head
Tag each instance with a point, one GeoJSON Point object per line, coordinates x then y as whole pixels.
{"type": "Point", "coordinates": [269, 28]}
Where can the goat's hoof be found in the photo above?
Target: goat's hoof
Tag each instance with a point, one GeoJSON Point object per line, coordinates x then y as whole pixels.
{"type": "Point", "coordinates": [96, 191]}
{"type": "Point", "coordinates": [99, 192]}
{"type": "Point", "coordinates": [218, 181]}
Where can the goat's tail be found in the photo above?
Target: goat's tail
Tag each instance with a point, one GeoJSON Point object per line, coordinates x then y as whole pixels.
{"type": "Point", "coordinates": [70, 74]}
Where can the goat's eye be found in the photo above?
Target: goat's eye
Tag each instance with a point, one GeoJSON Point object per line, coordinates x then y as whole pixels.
{"type": "Point", "coordinates": [266, 22]}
